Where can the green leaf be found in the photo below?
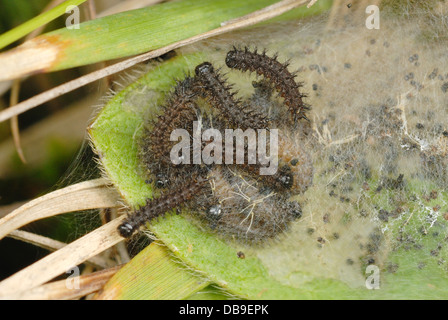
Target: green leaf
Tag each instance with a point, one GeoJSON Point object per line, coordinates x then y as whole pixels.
{"type": "Point", "coordinates": [153, 274]}
{"type": "Point", "coordinates": [32, 24]}
{"type": "Point", "coordinates": [123, 34]}
{"type": "Point", "coordinates": [264, 273]}
{"type": "Point", "coordinates": [146, 29]}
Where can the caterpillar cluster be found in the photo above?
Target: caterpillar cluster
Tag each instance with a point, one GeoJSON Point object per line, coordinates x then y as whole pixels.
{"type": "Point", "coordinates": [232, 198]}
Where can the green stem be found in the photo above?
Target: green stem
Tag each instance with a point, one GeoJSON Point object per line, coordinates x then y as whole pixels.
{"type": "Point", "coordinates": [15, 34]}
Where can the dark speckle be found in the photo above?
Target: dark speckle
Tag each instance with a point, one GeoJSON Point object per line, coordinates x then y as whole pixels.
{"type": "Point", "coordinates": [421, 265]}
{"type": "Point", "coordinates": [445, 87]}
{"type": "Point", "coordinates": [433, 74]}
{"type": "Point", "coordinates": [409, 76]}
{"type": "Point", "coordinates": [413, 58]}
{"type": "Point", "coordinates": [365, 186]}
{"type": "Point", "coordinates": [423, 231]}
{"type": "Point", "coordinates": [417, 85]}
{"type": "Point", "coordinates": [433, 194]}
{"type": "Point", "coordinates": [363, 213]}
{"type": "Point", "coordinates": [383, 215]}
{"type": "Point", "coordinates": [392, 267]}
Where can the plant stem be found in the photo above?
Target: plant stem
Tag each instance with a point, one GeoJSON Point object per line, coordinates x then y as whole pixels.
{"type": "Point", "coordinates": [15, 34]}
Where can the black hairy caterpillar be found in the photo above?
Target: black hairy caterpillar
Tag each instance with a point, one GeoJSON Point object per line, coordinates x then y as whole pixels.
{"type": "Point", "coordinates": [275, 72]}
{"type": "Point", "coordinates": [178, 109]}
{"type": "Point", "coordinates": [236, 207]}
{"type": "Point", "coordinates": [216, 89]}
{"type": "Point", "coordinates": [232, 198]}
{"type": "Point", "coordinates": [159, 206]}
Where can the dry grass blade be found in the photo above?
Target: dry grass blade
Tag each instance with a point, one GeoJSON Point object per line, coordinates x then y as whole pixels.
{"type": "Point", "coordinates": [246, 21]}
{"type": "Point", "coordinates": [62, 260]}
{"type": "Point", "coordinates": [7, 209]}
{"type": "Point", "coordinates": [14, 98]}
{"type": "Point", "coordinates": [51, 245]}
{"type": "Point", "coordinates": [68, 124]}
{"type": "Point", "coordinates": [37, 240]}
{"type": "Point", "coordinates": [124, 6]}
{"type": "Point", "coordinates": [82, 196]}
{"type": "Point", "coordinates": [75, 288]}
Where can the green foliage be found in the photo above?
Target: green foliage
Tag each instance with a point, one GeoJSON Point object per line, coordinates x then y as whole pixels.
{"type": "Point", "coordinates": [114, 134]}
